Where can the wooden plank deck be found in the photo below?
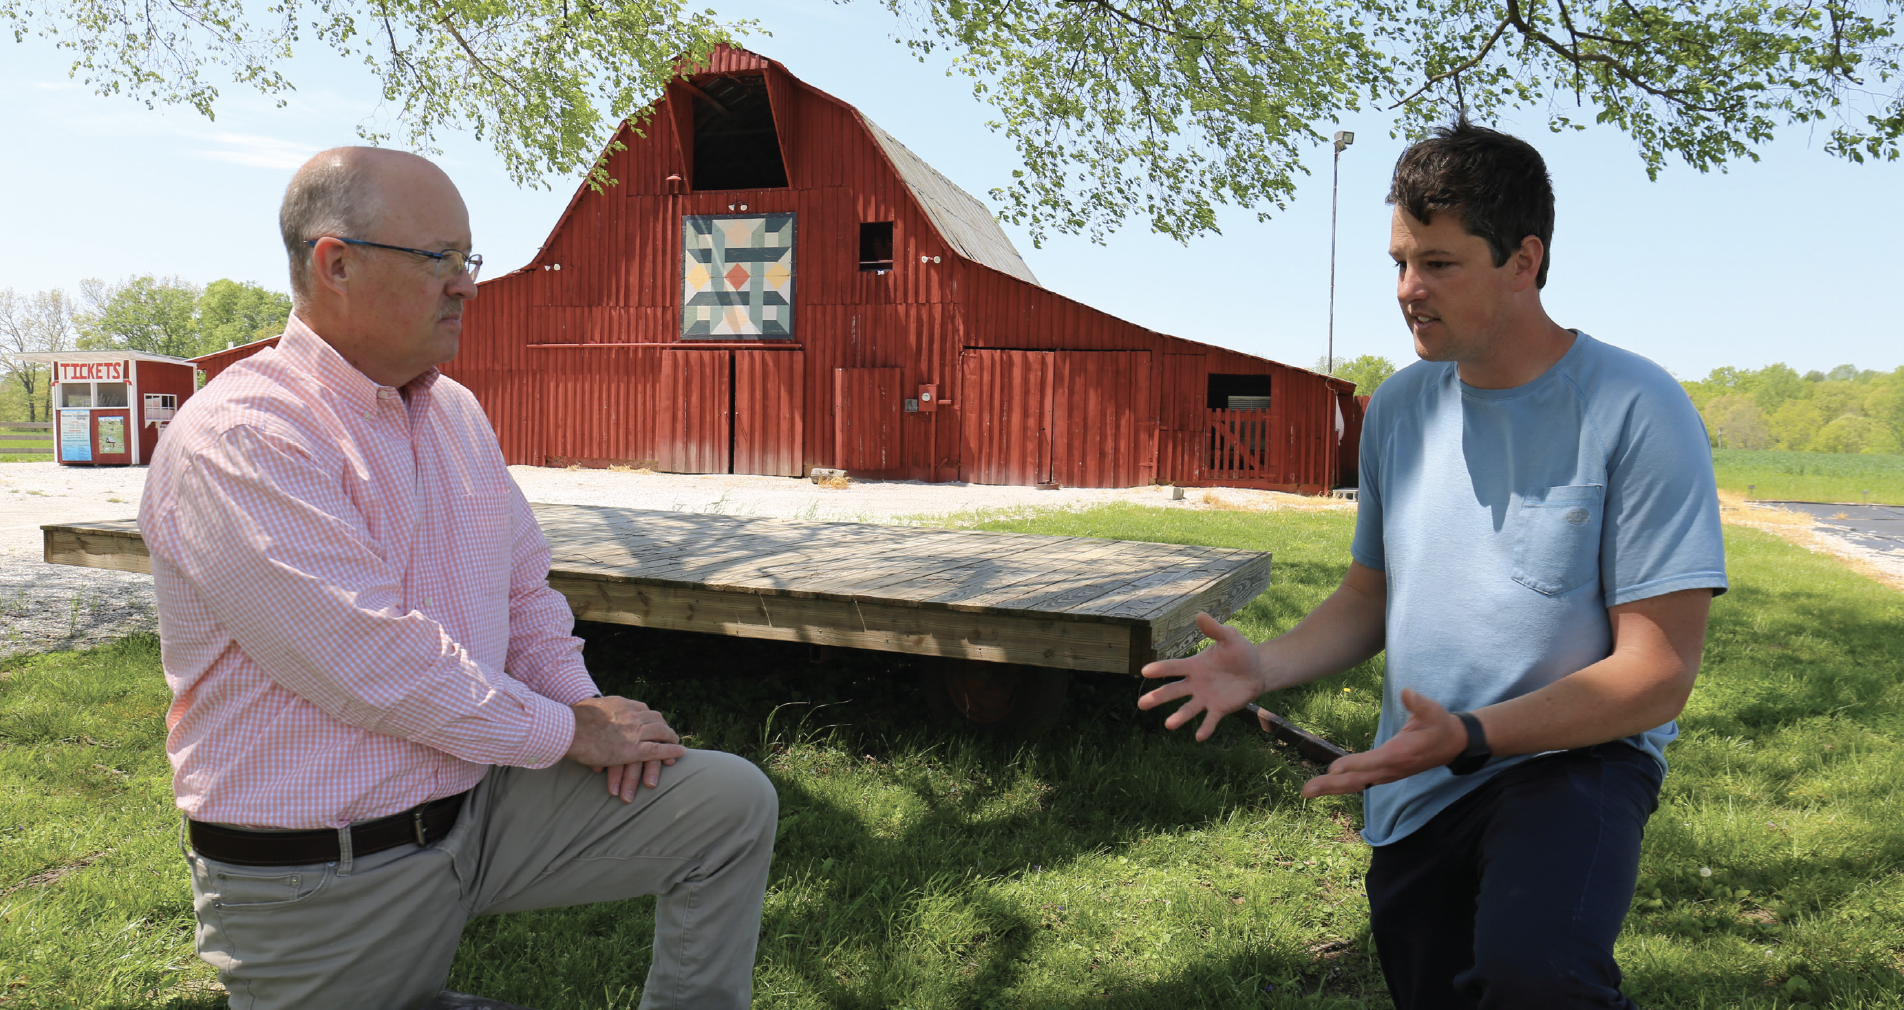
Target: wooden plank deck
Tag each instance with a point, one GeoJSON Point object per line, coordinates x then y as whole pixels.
{"type": "Point", "coordinates": [1079, 603]}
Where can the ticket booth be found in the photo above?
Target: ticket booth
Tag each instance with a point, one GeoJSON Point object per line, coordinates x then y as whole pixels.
{"type": "Point", "coordinates": [110, 407]}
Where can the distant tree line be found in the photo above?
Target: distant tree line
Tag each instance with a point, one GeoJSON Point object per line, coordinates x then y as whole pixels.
{"type": "Point", "coordinates": [1847, 409]}
{"type": "Point", "coordinates": [158, 315]}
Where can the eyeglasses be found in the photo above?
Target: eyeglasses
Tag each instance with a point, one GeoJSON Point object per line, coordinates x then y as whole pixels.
{"type": "Point", "coordinates": [454, 260]}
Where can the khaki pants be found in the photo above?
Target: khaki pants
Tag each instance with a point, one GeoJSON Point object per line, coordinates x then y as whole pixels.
{"type": "Point", "coordinates": [380, 931]}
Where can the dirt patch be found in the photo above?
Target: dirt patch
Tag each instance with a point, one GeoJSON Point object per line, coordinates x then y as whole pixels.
{"type": "Point", "coordinates": [45, 877]}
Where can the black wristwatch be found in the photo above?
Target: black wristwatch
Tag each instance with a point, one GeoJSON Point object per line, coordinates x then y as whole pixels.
{"type": "Point", "coordinates": [1470, 761]}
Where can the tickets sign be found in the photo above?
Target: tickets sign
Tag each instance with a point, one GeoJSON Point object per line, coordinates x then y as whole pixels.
{"type": "Point", "coordinates": [92, 371]}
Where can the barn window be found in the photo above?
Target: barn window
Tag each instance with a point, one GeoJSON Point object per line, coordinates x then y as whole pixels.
{"type": "Point", "coordinates": [735, 143]}
{"type": "Point", "coordinates": [876, 245]}
{"type": "Point", "coordinates": [1238, 392]}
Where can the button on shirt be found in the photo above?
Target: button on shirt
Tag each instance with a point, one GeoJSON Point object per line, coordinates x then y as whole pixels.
{"type": "Point", "coordinates": [344, 573]}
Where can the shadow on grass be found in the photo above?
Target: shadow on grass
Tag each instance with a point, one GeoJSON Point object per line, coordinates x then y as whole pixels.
{"type": "Point", "coordinates": [907, 847]}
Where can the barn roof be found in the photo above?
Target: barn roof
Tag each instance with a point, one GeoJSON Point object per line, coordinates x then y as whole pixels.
{"type": "Point", "coordinates": [49, 357]}
{"type": "Point", "coordinates": [959, 217]}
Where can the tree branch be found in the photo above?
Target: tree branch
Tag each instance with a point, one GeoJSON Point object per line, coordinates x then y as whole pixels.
{"type": "Point", "coordinates": [1123, 15]}
{"type": "Point", "coordinates": [475, 60]}
{"type": "Point", "coordinates": [1456, 72]}
{"type": "Point", "coordinates": [1620, 69]}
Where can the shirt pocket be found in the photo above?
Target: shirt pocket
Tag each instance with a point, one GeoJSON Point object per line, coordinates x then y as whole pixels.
{"type": "Point", "coordinates": [1557, 538]}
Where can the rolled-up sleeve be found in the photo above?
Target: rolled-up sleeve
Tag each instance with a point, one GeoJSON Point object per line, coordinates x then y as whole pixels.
{"type": "Point", "coordinates": [283, 558]}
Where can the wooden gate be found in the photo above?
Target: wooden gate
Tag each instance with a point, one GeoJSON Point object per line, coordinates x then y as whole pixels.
{"type": "Point", "coordinates": [1005, 416]}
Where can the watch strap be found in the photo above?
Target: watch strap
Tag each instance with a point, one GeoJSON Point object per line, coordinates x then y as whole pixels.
{"type": "Point", "coordinates": [1477, 753]}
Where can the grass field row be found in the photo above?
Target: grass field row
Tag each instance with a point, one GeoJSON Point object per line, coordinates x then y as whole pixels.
{"type": "Point", "coordinates": [1109, 863]}
{"type": "Point", "coordinates": [1768, 474]}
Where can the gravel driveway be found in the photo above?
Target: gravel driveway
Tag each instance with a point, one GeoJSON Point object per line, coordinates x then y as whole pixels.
{"type": "Point", "coordinates": [46, 606]}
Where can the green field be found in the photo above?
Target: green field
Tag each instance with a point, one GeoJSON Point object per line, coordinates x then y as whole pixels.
{"type": "Point", "coordinates": [1810, 476]}
{"type": "Point", "coordinates": [1109, 863]}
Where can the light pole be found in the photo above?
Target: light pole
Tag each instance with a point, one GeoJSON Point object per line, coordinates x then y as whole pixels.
{"type": "Point", "coordinates": [1343, 138]}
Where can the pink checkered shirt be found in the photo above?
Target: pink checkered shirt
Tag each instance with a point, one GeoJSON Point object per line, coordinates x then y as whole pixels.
{"type": "Point", "coordinates": [343, 575]}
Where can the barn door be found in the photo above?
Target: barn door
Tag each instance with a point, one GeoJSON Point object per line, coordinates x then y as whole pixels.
{"type": "Point", "coordinates": [1104, 419]}
{"type": "Point", "coordinates": [867, 408]}
{"type": "Point", "coordinates": [695, 428]}
{"type": "Point", "coordinates": [768, 412]}
{"type": "Point", "coordinates": [1005, 416]}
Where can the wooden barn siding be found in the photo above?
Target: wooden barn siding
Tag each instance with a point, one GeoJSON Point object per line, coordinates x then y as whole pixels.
{"type": "Point", "coordinates": [1006, 421]}
{"type": "Point", "coordinates": [217, 361]}
{"type": "Point", "coordinates": [157, 377]}
{"type": "Point", "coordinates": [618, 293]}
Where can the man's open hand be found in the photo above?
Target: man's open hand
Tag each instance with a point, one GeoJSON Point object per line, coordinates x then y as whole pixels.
{"type": "Point", "coordinates": [1432, 737]}
{"type": "Point", "coordinates": [1219, 680]}
{"type": "Point", "coordinates": [628, 739]}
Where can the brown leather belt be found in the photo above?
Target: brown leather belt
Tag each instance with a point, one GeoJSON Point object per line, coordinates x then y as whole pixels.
{"type": "Point", "coordinates": [419, 825]}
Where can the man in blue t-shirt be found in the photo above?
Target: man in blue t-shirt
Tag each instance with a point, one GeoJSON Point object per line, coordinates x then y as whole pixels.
{"type": "Point", "coordinates": [1536, 550]}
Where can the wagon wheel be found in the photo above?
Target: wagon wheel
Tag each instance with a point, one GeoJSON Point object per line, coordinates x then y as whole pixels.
{"type": "Point", "coordinates": [997, 699]}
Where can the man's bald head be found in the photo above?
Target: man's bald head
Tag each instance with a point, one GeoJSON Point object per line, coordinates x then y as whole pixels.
{"type": "Point", "coordinates": [340, 192]}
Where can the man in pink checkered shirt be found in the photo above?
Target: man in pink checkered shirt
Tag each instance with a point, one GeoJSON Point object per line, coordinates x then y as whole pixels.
{"type": "Point", "coordinates": [382, 726]}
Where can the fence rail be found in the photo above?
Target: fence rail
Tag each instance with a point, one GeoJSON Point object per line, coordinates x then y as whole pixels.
{"type": "Point", "coordinates": [9, 435]}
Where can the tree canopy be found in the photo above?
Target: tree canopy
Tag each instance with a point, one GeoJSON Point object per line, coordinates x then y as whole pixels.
{"type": "Point", "coordinates": [171, 316]}
{"type": "Point", "coordinates": [1847, 409]}
{"type": "Point", "coordinates": [1162, 109]}
{"type": "Point", "coordinates": [42, 321]}
{"type": "Point", "coordinates": [1367, 371]}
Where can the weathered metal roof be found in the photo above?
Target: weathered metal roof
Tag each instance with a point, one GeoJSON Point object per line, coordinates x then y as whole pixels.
{"type": "Point", "coordinates": [49, 357]}
{"type": "Point", "coordinates": [964, 222]}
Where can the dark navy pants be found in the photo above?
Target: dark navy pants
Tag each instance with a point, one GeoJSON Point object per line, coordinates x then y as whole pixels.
{"type": "Point", "coordinates": [1510, 899]}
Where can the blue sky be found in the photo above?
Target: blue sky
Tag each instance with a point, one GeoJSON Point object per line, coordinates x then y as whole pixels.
{"type": "Point", "coordinates": [1784, 260]}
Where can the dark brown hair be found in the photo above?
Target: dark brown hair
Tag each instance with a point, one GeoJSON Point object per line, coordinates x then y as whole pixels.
{"type": "Point", "coordinates": [1497, 183]}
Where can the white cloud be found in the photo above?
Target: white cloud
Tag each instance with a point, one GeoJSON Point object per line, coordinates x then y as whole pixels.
{"type": "Point", "coordinates": [256, 151]}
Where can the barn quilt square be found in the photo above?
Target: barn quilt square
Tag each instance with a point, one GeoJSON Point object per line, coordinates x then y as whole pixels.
{"type": "Point", "coordinates": [737, 276]}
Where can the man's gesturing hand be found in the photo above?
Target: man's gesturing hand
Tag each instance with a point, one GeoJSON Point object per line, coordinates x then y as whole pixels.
{"type": "Point", "coordinates": [622, 736]}
{"type": "Point", "coordinates": [1219, 680]}
{"type": "Point", "coordinates": [1432, 737]}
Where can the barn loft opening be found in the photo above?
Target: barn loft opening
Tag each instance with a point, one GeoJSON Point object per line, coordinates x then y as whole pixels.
{"type": "Point", "coordinates": [1238, 392]}
{"type": "Point", "coordinates": [876, 245]}
{"type": "Point", "coordinates": [736, 145]}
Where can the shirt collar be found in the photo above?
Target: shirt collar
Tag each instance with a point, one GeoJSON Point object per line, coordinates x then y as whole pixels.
{"type": "Point", "coordinates": [313, 355]}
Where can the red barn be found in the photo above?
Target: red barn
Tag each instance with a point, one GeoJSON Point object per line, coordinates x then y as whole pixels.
{"type": "Point", "coordinates": [776, 283]}
{"type": "Point", "coordinates": [210, 365]}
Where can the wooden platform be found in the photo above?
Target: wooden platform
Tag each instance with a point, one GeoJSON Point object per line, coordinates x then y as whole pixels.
{"type": "Point", "coordinates": [1074, 602]}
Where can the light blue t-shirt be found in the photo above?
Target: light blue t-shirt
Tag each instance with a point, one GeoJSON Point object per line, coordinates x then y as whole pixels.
{"type": "Point", "coordinates": [1508, 521]}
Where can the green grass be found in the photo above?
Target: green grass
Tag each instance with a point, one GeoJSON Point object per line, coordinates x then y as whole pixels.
{"type": "Point", "coordinates": [1109, 863]}
{"type": "Point", "coordinates": [1810, 476]}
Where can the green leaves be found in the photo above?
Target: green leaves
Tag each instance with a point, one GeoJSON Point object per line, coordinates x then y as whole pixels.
{"type": "Point", "coordinates": [1166, 110]}
{"type": "Point", "coordinates": [1368, 372]}
{"type": "Point", "coordinates": [542, 81]}
{"type": "Point", "coordinates": [171, 316]}
{"type": "Point", "coordinates": [1848, 411]}
{"type": "Point", "coordinates": [1152, 109]}
{"type": "Point", "coordinates": [150, 314]}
